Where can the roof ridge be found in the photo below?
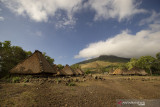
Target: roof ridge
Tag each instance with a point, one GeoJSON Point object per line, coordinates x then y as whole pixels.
{"type": "Point", "coordinates": [40, 61]}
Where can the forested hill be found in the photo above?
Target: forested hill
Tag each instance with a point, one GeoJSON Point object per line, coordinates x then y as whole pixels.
{"type": "Point", "coordinates": [106, 58]}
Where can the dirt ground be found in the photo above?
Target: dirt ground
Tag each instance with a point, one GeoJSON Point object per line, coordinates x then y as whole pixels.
{"type": "Point", "coordinates": [89, 91]}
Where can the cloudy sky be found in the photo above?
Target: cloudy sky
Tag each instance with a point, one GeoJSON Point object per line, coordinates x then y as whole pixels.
{"type": "Point", "coordinates": [74, 30]}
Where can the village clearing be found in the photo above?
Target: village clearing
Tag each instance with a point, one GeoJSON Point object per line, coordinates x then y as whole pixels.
{"type": "Point", "coordinates": [81, 91]}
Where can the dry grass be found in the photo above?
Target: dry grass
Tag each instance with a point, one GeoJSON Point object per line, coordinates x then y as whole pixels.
{"type": "Point", "coordinates": [97, 64]}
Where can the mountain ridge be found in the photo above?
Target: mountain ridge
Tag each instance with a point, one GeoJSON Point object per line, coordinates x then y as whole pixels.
{"type": "Point", "coordinates": [106, 58]}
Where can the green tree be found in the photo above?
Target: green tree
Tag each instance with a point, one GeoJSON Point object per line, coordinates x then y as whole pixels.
{"type": "Point", "coordinates": [10, 56]}
{"type": "Point", "coordinates": [132, 63]}
{"type": "Point", "coordinates": [49, 59]}
{"type": "Point", "coordinates": [29, 53]}
{"type": "Point", "coordinates": [146, 62]}
{"type": "Point", "coordinates": [60, 66]}
{"type": "Point", "coordinates": [158, 55]}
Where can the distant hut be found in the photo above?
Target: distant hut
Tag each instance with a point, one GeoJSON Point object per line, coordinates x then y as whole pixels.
{"type": "Point", "coordinates": [76, 72]}
{"type": "Point", "coordinates": [34, 64]}
{"type": "Point", "coordinates": [134, 71]}
{"type": "Point", "coordinates": [67, 70]}
{"type": "Point", "coordinates": [79, 71]}
{"type": "Point", "coordinates": [126, 72]}
{"type": "Point", "coordinates": [118, 72]}
{"type": "Point", "coordinates": [141, 72]}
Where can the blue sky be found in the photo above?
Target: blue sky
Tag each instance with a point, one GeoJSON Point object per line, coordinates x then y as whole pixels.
{"type": "Point", "coordinates": [71, 31]}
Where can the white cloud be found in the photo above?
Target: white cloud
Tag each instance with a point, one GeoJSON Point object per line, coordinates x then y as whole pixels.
{"type": "Point", "coordinates": [121, 9]}
{"type": "Point", "coordinates": [144, 42]}
{"type": "Point", "coordinates": [42, 10]}
{"type": "Point", "coordinates": [63, 22]}
{"type": "Point", "coordinates": [154, 18]}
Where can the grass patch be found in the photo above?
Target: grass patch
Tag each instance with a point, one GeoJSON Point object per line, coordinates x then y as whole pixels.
{"type": "Point", "coordinates": [26, 80]}
{"type": "Point", "coordinates": [16, 79]}
{"type": "Point", "coordinates": [88, 71]}
{"type": "Point", "coordinates": [58, 80]}
{"type": "Point", "coordinates": [71, 84]}
{"type": "Point", "coordinates": [24, 85]}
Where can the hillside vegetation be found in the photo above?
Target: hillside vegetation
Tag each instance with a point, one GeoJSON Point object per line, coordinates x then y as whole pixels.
{"type": "Point", "coordinates": [97, 64]}
{"type": "Point", "coordinates": [101, 63]}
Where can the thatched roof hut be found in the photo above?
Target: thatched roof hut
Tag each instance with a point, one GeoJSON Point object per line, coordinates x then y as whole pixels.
{"type": "Point", "coordinates": [141, 72]}
{"type": "Point", "coordinates": [80, 72]}
{"type": "Point", "coordinates": [76, 72]}
{"type": "Point", "coordinates": [34, 64]}
{"type": "Point", "coordinates": [67, 70]}
{"type": "Point", "coordinates": [55, 67]}
{"type": "Point", "coordinates": [126, 72]}
{"type": "Point", "coordinates": [118, 72]}
{"type": "Point", "coordinates": [134, 71]}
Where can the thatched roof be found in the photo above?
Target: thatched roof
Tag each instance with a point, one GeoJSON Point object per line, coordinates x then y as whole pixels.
{"type": "Point", "coordinates": [141, 72]}
{"type": "Point", "coordinates": [134, 71]}
{"type": "Point", "coordinates": [79, 71]}
{"type": "Point", "coordinates": [55, 67]}
{"type": "Point", "coordinates": [67, 70]}
{"type": "Point", "coordinates": [76, 72]}
{"type": "Point", "coordinates": [128, 72]}
{"type": "Point", "coordinates": [34, 64]}
{"type": "Point", "coordinates": [118, 72]}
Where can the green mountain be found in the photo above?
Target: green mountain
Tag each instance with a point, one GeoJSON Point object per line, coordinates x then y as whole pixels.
{"type": "Point", "coordinates": [106, 58]}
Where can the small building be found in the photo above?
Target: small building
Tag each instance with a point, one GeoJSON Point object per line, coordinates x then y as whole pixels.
{"type": "Point", "coordinates": [34, 64]}
{"type": "Point", "coordinates": [134, 71]}
{"type": "Point", "coordinates": [67, 71]}
{"type": "Point", "coordinates": [79, 71]}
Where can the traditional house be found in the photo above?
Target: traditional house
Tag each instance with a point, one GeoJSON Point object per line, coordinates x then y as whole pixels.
{"type": "Point", "coordinates": [34, 64]}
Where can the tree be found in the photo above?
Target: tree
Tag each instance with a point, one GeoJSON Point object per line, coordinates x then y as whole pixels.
{"type": "Point", "coordinates": [29, 53]}
{"type": "Point", "coordinates": [11, 55]}
{"type": "Point", "coordinates": [158, 55]}
{"type": "Point", "coordinates": [146, 62]}
{"type": "Point", "coordinates": [132, 63]}
{"type": "Point", "coordinates": [49, 59]}
{"type": "Point", "coordinates": [60, 66]}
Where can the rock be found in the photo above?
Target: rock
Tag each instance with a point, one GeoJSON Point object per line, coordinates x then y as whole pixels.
{"type": "Point", "coordinates": [84, 80]}
{"type": "Point", "coordinates": [95, 77]}
{"type": "Point", "coordinates": [77, 80]}
{"type": "Point", "coordinates": [129, 78]}
{"type": "Point", "coordinates": [143, 79]}
{"type": "Point", "coordinates": [66, 105]}
{"type": "Point", "coordinates": [90, 75]}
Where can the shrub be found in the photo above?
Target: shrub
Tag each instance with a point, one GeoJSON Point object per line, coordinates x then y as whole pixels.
{"type": "Point", "coordinates": [58, 80]}
{"type": "Point", "coordinates": [16, 79]}
{"type": "Point", "coordinates": [26, 80]}
{"type": "Point", "coordinates": [88, 72]}
{"type": "Point", "coordinates": [71, 84]}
